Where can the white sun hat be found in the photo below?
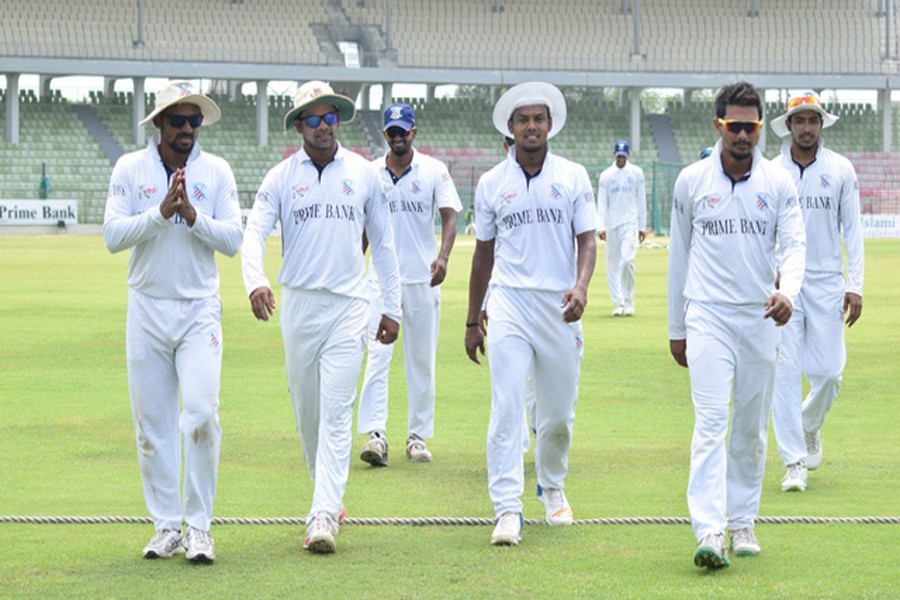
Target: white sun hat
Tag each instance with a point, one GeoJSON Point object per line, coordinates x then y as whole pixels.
{"type": "Point", "coordinates": [315, 93]}
{"type": "Point", "coordinates": [529, 94]}
{"type": "Point", "coordinates": [798, 103]}
{"type": "Point", "coordinates": [184, 92]}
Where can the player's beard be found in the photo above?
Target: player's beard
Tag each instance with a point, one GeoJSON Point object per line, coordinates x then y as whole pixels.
{"type": "Point", "coordinates": [180, 148]}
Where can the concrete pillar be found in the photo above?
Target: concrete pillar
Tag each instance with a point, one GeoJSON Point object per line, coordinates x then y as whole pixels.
{"type": "Point", "coordinates": [364, 101]}
{"type": "Point", "coordinates": [688, 96]}
{"type": "Point", "coordinates": [429, 92]}
{"type": "Point", "coordinates": [137, 111]}
{"type": "Point", "coordinates": [44, 86]}
{"type": "Point", "coordinates": [234, 90]}
{"type": "Point", "coordinates": [109, 87]}
{"type": "Point", "coordinates": [887, 119]}
{"type": "Point", "coordinates": [262, 113]}
{"type": "Point", "coordinates": [11, 135]}
{"type": "Point", "coordinates": [387, 94]}
{"type": "Point", "coordinates": [635, 119]}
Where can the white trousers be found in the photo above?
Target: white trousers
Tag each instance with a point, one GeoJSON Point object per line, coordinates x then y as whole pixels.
{"type": "Point", "coordinates": [324, 340]}
{"type": "Point", "coordinates": [527, 332]}
{"type": "Point", "coordinates": [421, 305]}
{"type": "Point", "coordinates": [731, 352]}
{"type": "Point", "coordinates": [174, 345]}
{"type": "Point", "coordinates": [621, 248]}
{"type": "Point", "coordinates": [812, 343]}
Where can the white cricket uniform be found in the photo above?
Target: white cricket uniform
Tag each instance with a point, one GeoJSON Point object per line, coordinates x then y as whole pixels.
{"type": "Point", "coordinates": [534, 224]}
{"type": "Point", "coordinates": [812, 343]}
{"type": "Point", "coordinates": [325, 297]}
{"type": "Point", "coordinates": [722, 263]}
{"type": "Point", "coordinates": [174, 324]}
{"type": "Point", "coordinates": [425, 187]}
{"type": "Point", "coordinates": [622, 212]}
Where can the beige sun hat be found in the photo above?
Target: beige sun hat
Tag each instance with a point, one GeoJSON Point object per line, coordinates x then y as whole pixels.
{"type": "Point", "coordinates": [315, 93]}
{"type": "Point", "coordinates": [184, 92]}
{"type": "Point", "coordinates": [807, 100]}
{"type": "Point", "coordinates": [529, 94]}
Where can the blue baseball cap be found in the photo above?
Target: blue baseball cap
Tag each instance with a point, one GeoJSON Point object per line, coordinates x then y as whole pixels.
{"type": "Point", "coordinates": [622, 148]}
{"type": "Point", "coordinates": [399, 115]}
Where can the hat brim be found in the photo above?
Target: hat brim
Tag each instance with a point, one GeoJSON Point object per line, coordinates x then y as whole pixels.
{"type": "Point", "coordinates": [209, 109]}
{"type": "Point", "coordinates": [406, 125]}
{"type": "Point", "coordinates": [621, 153]}
{"type": "Point", "coordinates": [346, 109]}
{"type": "Point", "coordinates": [780, 127]}
{"type": "Point", "coordinates": [530, 94]}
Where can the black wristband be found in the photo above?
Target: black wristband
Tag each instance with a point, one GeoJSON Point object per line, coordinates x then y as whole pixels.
{"type": "Point", "coordinates": [473, 324]}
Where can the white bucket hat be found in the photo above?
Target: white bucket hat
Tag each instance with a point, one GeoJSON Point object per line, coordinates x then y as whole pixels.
{"type": "Point", "coordinates": [529, 94]}
{"type": "Point", "coordinates": [184, 92]}
{"type": "Point", "coordinates": [798, 103]}
{"type": "Point", "coordinates": [314, 93]}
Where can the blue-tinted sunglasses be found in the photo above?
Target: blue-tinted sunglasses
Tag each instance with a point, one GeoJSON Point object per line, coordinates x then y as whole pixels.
{"type": "Point", "coordinates": [313, 121]}
{"type": "Point", "coordinates": [178, 121]}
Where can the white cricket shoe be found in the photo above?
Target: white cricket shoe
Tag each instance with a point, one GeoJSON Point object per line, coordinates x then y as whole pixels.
{"type": "Point", "coordinates": [165, 543]}
{"type": "Point", "coordinates": [813, 449]}
{"type": "Point", "coordinates": [744, 542]}
{"type": "Point", "coordinates": [712, 553]}
{"type": "Point", "coordinates": [320, 534]}
{"type": "Point", "coordinates": [795, 478]}
{"type": "Point", "coordinates": [508, 531]}
{"type": "Point", "coordinates": [619, 311]}
{"type": "Point", "coordinates": [199, 545]}
{"type": "Point", "coordinates": [416, 450]}
{"type": "Point", "coordinates": [558, 511]}
{"type": "Point", "coordinates": [375, 452]}
{"type": "Point", "coordinates": [628, 310]}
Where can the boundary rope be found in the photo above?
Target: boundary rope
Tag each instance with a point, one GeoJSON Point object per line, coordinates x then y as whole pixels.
{"type": "Point", "coordinates": [441, 521]}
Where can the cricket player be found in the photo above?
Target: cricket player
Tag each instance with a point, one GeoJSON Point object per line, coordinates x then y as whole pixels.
{"type": "Point", "coordinates": [729, 213]}
{"type": "Point", "coordinates": [416, 186]}
{"type": "Point", "coordinates": [622, 224]}
{"type": "Point", "coordinates": [813, 342]}
{"type": "Point", "coordinates": [175, 206]}
{"type": "Point", "coordinates": [535, 220]}
{"type": "Point", "coordinates": [325, 197]}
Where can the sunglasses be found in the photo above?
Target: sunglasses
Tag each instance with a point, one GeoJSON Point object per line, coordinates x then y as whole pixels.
{"type": "Point", "coordinates": [801, 100]}
{"type": "Point", "coordinates": [314, 121]}
{"type": "Point", "coordinates": [393, 132]}
{"type": "Point", "coordinates": [734, 126]}
{"type": "Point", "coordinates": [178, 121]}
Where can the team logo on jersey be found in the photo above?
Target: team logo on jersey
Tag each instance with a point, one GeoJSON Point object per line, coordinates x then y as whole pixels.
{"type": "Point", "coordinates": [712, 201]}
{"type": "Point", "coordinates": [147, 191]}
{"type": "Point", "coordinates": [415, 188]}
{"type": "Point", "coordinates": [299, 192]}
{"type": "Point", "coordinates": [197, 191]}
{"type": "Point", "coordinates": [579, 342]}
{"type": "Point", "coordinates": [213, 340]}
{"type": "Point", "coordinates": [825, 181]}
{"type": "Point", "coordinates": [554, 191]}
{"type": "Point", "coordinates": [347, 187]}
{"type": "Point", "coordinates": [507, 198]}
{"type": "Point", "coordinates": [762, 201]}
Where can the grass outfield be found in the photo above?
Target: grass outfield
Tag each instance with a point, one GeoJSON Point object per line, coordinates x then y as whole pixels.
{"type": "Point", "coordinates": [67, 448]}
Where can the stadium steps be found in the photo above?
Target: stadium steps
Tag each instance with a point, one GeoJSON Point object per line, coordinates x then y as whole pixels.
{"type": "Point", "coordinates": [664, 138]}
{"type": "Point", "coordinates": [99, 132]}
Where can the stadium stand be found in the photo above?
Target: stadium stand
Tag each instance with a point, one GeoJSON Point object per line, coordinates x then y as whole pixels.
{"type": "Point", "coordinates": [583, 35]}
{"type": "Point", "coordinates": [677, 35]}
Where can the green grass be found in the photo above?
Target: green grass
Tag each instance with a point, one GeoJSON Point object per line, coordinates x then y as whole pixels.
{"type": "Point", "coordinates": [67, 448]}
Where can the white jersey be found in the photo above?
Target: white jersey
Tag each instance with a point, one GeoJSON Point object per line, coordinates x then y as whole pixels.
{"type": "Point", "coordinates": [621, 197]}
{"type": "Point", "coordinates": [829, 200]}
{"type": "Point", "coordinates": [424, 188]}
{"type": "Point", "coordinates": [322, 221]}
{"type": "Point", "coordinates": [169, 259]}
{"type": "Point", "coordinates": [534, 222]}
{"type": "Point", "coordinates": [724, 234]}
